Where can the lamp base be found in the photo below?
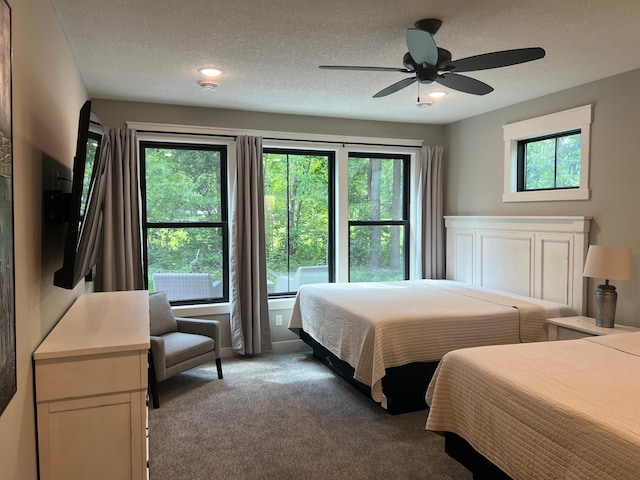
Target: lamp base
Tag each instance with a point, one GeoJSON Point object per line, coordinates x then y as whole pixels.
{"type": "Point", "coordinates": [606, 298]}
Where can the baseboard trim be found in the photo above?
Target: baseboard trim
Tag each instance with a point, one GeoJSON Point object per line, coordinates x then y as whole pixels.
{"type": "Point", "coordinates": [287, 346]}
{"type": "Point", "coordinates": [290, 346]}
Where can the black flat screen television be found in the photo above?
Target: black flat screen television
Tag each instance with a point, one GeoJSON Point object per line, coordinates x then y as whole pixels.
{"type": "Point", "coordinates": [80, 244]}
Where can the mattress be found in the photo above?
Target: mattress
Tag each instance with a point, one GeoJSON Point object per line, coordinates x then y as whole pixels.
{"type": "Point", "coordinates": [566, 409]}
{"type": "Point", "coordinates": [375, 326]}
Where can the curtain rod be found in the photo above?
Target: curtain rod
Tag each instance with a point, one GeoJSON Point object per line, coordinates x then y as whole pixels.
{"type": "Point", "coordinates": [279, 139]}
{"type": "Point", "coordinates": [163, 129]}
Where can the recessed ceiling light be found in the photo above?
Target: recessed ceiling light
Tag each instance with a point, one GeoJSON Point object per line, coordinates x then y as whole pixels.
{"type": "Point", "coordinates": [208, 84]}
{"type": "Point", "coordinates": [210, 71]}
{"type": "Point", "coordinates": [437, 94]}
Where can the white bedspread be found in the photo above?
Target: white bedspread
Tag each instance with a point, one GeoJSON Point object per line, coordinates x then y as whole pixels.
{"type": "Point", "coordinates": [565, 410]}
{"type": "Point", "coordinates": [374, 326]}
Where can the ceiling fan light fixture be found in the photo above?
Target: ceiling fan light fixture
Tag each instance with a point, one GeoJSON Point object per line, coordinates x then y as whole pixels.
{"type": "Point", "coordinates": [424, 103]}
{"type": "Point", "coordinates": [210, 71]}
{"type": "Point", "coordinates": [437, 94]}
{"type": "Point", "coordinates": [208, 85]}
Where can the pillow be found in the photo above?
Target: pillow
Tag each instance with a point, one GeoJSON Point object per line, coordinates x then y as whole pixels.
{"type": "Point", "coordinates": [160, 314]}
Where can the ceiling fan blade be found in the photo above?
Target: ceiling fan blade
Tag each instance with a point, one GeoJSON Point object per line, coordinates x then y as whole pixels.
{"type": "Point", "coordinates": [367, 69]}
{"type": "Point", "coordinates": [464, 84]}
{"type": "Point", "coordinates": [504, 58]}
{"type": "Point", "coordinates": [422, 47]}
{"type": "Point", "coordinates": [395, 87]}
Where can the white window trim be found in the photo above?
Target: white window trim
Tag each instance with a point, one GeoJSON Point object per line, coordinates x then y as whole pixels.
{"type": "Point", "coordinates": [573, 119]}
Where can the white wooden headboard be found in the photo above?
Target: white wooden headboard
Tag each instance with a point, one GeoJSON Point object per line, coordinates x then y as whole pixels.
{"type": "Point", "coordinates": [540, 257]}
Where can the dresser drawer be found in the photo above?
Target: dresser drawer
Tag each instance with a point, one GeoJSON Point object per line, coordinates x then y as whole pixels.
{"type": "Point", "coordinates": [83, 376]}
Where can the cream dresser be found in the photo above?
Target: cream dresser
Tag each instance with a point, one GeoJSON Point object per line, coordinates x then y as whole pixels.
{"type": "Point", "coordinates": [91, 387]}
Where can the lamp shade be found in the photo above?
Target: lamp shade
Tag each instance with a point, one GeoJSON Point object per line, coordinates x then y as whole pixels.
{"type": "Point", "coordinates": [609, 263]}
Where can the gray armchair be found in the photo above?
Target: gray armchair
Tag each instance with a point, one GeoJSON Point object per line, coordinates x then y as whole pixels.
{"type": "Point", "coordinates": [178, 344]}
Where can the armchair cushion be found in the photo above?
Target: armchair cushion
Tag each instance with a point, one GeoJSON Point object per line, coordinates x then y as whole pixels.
{"type": "Point", "coordinates": [179, 347]}
{"type": "Point", "coordinates": [160, 314]}
{"type": "Point", "coordinates": [208, 328]}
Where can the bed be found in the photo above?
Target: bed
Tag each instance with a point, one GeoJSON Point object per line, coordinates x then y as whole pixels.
{"type": "Point", "coordinates": [566, 409]}
{"type": "Point", "coordinates": [506, 275]}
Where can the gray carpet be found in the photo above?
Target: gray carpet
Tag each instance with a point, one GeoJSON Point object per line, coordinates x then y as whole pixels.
{"type": "Point", "coordinates": [286, 416]}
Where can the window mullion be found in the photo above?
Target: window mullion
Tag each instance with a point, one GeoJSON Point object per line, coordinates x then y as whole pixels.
{"type": "Point", "coordinates": [555, 162]}
{"type": "Point", "coordinates": [288, 224]}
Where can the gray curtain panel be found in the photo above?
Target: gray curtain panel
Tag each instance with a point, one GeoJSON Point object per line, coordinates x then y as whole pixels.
{"type": "Point", "coordinates": [430, 214]}
{"type": "Point", "coordinates": [250, 331]}
{"type": "Point", "coordinates": [122, 236]}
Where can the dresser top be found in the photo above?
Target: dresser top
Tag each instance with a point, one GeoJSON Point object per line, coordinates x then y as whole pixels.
{"type": "Point", "coordinates": [105, 322]}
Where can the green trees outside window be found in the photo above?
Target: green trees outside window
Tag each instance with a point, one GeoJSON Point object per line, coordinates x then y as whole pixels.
{"type": "Point", "coordinates": [298, 189]}
{"type": "Point", "coordinates": [185, 213]}
{"type": "Point", "coordinates": [551, 162]}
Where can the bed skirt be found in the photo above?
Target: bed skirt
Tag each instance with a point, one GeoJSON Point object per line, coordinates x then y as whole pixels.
{"type": "Point", "coordinates": [482, 469]}
{"type": "Point", "coordinates": [404, 387]}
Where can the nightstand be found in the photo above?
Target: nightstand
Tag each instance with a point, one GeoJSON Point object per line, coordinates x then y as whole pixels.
{"type": "Point", "coordinates": [567, 328]}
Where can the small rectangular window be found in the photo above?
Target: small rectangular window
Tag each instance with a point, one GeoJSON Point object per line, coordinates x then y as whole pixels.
{"type": "Point", "coordinates": [549, 163]}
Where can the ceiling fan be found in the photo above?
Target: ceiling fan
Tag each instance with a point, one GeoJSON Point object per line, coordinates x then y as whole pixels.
{"type": "Point", "coordinates": [430, 63]}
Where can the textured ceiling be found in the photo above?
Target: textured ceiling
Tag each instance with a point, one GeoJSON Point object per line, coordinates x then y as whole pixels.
{"type": "Point", "coordinates": [149, 50]}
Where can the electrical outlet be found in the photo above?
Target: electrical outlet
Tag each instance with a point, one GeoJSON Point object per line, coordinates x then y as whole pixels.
{"type": "Point", "coordinates": [278, 319]}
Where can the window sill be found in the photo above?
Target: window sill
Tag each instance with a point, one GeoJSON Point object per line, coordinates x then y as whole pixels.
{"type": "Point", "coordinates": [225, 308]}
{"type": "Point", "coordinates": [547, 195]}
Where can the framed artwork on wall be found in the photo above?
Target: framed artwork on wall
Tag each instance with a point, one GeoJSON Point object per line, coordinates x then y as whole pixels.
{"type": "Point", "coordinates": [8, 377]}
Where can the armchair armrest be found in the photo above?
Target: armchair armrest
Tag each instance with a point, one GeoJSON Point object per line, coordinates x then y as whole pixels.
{"type": "Point", "coordinates": [208, 328]}
{"type": "Point", "coordinates": [157, 351]}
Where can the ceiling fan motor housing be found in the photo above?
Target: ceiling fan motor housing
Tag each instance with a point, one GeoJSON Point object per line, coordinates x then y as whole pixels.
{"type": "Point", "coordinates": [431, 25]}
{"type": "Point", "coordinates": [426, 74]}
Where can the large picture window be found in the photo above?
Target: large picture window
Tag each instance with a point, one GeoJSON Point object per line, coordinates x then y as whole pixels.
{"type": "Point", "coordinates": [298, 189]}
{"type": "Point", "coordinates": [378, 217]}
{"type": "Point", "coordinates": [185, 221]}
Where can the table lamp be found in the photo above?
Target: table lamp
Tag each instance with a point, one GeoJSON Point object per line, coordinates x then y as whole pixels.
{"type": "Point", "coordinates": [608, 263]}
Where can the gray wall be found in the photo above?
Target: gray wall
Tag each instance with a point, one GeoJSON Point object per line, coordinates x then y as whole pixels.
{"type": "Point", "coordinates": [474, 171]}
